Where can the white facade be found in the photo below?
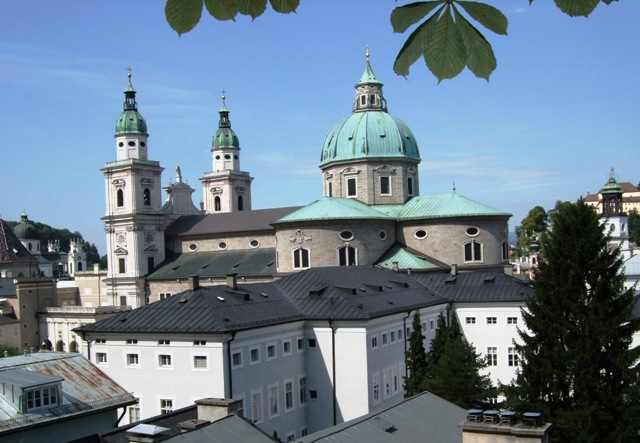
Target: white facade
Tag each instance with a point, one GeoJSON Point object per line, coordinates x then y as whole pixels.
{"type": "Point", "coordinates": [77, 257]}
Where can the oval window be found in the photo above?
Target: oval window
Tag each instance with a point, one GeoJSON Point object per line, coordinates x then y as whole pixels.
{"type": "Point", "coordinates": [236, 157]}
{"type": "Point", "coordinates": [227, 156]}
{"type": "Point", "coordinates": [346, 235]}
{"type": "Point", "coordinates": [382, 235]}
{"type": "Point", "coordinates": [420, 234]}
{"type": "Point", "coordinates": [121, 144]}
{"type": "Point", "coordinates": [193, 246]}
{"type": "Point", "coordinates": [254, 243]}
{"type": "Point", "coordinates": [143, 144]}
{"type": "Point", "coordinates": [131, 143]}
{"type": "Point", "coordinates": [217, 157]}
{"type": "Point", "coordinates": [222, 245]}
{"type": "Point", "coordinates": [472, 231]}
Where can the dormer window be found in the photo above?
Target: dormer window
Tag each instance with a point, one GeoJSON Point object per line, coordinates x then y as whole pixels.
{"type": "Point", "coordinates": [42, 397]}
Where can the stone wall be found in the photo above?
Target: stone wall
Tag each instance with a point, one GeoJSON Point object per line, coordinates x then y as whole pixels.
{"type": "Point", "coordinates": [446, 238]}
{"type": "Point", "coordinates": [176, 286]}
{"type": "Point", "coordinates": [234, 241]}
{"type": "Point", "coordinates": [323, 240]}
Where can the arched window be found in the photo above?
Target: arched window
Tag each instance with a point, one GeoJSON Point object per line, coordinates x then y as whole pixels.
{"type": "Point", "coordinates": [120, 198]}
{"type": "Point", "coordinates": [146, 197]}
{"type": "Point", "coordinates": [59, 346]}
{"type": "Point", "coordinates": [73, 346]}
{"type": "Point", "coordinates": [472, 252]}
{"type": "Point", "coordinates": [216, 204]}
{"type": "Point", "coordinates": [347, 256]}
{"type": "Point", "coordinates": [240, 203]}
{"type": "Point", "coordinates": [300, 258]}
{"type": "Point", "coordinates": [79, 266]}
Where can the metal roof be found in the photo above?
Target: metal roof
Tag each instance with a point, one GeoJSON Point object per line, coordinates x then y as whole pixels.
{"type": "Point", "coordinates": [224, 223]}
{"type": "Point", "coordinates": [23, 378]}
{"type": "Point", "coordinates": [229, 429]}
{"type": "Point", "coordinates": [7, 287]}
{"type": "Point", "coordinates": [405, 258]}
{"type": "Point", "coordinates": [11, 250]}
{"type": "Point", "coordinates": [247, 262]}
{"type": "Point", "coordinates": [84, 387]}
{"type": "Point", "coordinates": [482, 286]}
{"type": "Point", "coordinates": [332, 208]}
{"type": "Point", "coordinates": [424, 418]}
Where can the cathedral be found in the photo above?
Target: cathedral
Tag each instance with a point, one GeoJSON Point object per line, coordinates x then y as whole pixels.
{"type": "Point", "coordinates": [372, 211]}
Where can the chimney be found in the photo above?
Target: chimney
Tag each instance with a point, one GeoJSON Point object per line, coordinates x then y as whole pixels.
{"type": "Point", "coordinates": [504, 427]}
{"type": "Point", "coordinates": [396, 266]}
{"type": "Point", "coordinates": [212, 409]}
{"type": "Point", "coordinates": [146, 433]}
{"type": "Point", "coordinates": [232, 280]}
{"type": "Point", "coordinates": [454, 269]}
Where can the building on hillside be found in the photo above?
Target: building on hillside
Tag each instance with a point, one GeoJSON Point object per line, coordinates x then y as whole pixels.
{"type": "Point", "coordinates": [15, 259]}
{"type": "Point", "coordinates": [77, 257]}
{"type": "Point", "coordinates": [372, 210]}
{"type": "Point", "coordinates": [56, 397]}
{"type": "Point", "coordinates": [306, 351]}
{"type": "Point", "coordinates": [630, 198]}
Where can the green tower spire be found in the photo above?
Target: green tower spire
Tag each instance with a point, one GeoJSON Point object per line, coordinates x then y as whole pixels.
{"type": "Point", "coordinates": [225, 138]}
{"type": "Point", "coordinates": [368, 76]}
{"type": "Point", "coordinates": [130, 120]}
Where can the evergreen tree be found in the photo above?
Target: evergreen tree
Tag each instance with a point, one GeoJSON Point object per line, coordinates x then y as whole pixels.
{"type": "Point", "coordinates": [634, 227]}
{"type": "Point", "coordinates": [453, 367]}
{"type": "Point", "coordinates": [416, 360]}
{"type": "Point", "coordinates": [577, 361]}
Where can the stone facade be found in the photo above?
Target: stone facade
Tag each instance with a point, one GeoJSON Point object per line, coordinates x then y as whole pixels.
{"type": "Point", "coordinates": [368, 180]}
{"type": "Point", "coordinates": [323, 240]}
{"type": "Point", "coordinates": [223, 242]}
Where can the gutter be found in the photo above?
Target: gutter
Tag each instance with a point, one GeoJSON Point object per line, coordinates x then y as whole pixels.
{"type": "Point", "coordinates": [229, 366]}
{"type": "Point", "coordinates": [333, 370]}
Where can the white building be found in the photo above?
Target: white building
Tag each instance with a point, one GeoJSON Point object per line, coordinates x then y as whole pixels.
{"type": "Point", "coordinates": [308, 351]}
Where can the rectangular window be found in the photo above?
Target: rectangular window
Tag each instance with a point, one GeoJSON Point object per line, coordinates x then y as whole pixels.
{"type": "Point", "coordinates": [123, 300]}
{"type": "Point", "coordinates": [133, 359]}
{"type": "Point", "coordinates": [134, 414]}
{"type": "Point", "coordinates": [286, 347]}
{"type": "Point", "coordinates": [512, 320]}
{"type": "Point", "coordinates": [30, 400]}
{"type": "Point", "coordinates": [236, 359]}
{"type": "Point", "coordinates": [300, 344]}
{"type": "Point", "coordinates": [352, 189]}
{"type": "Point", "coordinates": [100, 341]}
{"type": "Point", "coordinates": [385, 186]}
{"type": "Point", "coordinates": [330, 190]}
{"type": "Point", "coordinates": [164, 295]}
{"type": "Point", "coordinates": [273, 401]}
{"type": "Point", "coordinates": [470, 320]}
{"type": "Point", "coordinates": [410, 185]}
{"type": "Point", "coordinates": [492, 356]}
{"type": "Point", "coordinates": [492, 320]}
{"type": "Point", "coordinates": [288, 396]}
{"type": "Point", "coordinates": [513, 357]}
{"type": "Point", "coordinates": [393, 336]}
{"type": "Point", "coordinates": [376, 388]}
{"type": "Point", "coordinates": [374, 342]}
{"type": "Point", "coordinates": [302, 394]}
{"type": "Point", "coordinates": [385, 338]}
{"type": "Point", "coordinates": [199, 362]}
{"type": "Point", "coordinates": [164, 361]}
{"type": "Point", "coordinates": [101, 358]}
{"type": "Point", "coordinates": [166, 406]}
{"type": "Point", "coordinates": [150, 264]}
{"type": "Point", "coordinates": [431, 324]}
{"type": "Point", "coordinates": [45, 397]}
{"type": "Point", "coordinates": [122, 268]}
{"type": "Point", "coordinates": [164, 342]}
{"type": "Point", "coordinates": [271, 352]}
{"type": "Point", "coordinates": [254, 355]}
{"type": "Point", "coordinates": [38, 398]}
{"type": "Point", "coordinates": [199, 343]}
{"type": "Point", "coordinates": [132, 341]}
{"type": "Point", "coordinates": [312, 342]}
{"type": "Point", "coordinates": [399, 334]}
{"type": "Point", "coordinates": [54, 395]}
{"type": "Point", "coordinates": [256, 407]}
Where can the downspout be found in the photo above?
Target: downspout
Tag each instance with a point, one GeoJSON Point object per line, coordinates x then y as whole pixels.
{"type": "Point", "coordinates": [404, 334]}
{"type": "Point", "coordinates": [229, 368]}
{"type": "Point", "coordinates": [333, 370]}
{"type": "Point", "coordinates": [124, 411]}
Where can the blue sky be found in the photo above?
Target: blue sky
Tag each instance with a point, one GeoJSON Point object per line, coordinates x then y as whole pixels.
{"type": "Point", "coordinates": [561, 108]}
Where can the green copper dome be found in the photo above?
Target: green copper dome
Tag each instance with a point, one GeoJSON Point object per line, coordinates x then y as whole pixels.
{"type": "Point", "coordinates": [130, 121]}
{"type": "Point", "coordinates": [25, 229]}
{"type": "Point", "coordinates": [225, 138]}
{"type": "Point", "coordinates": [370, 132]}
{"type": "Point", "coordinates": [612, 186]}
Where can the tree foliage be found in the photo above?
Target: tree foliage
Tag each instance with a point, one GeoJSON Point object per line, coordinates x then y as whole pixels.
{"type": "Point", "coordinates": [416, 359]}
{"type": "Point", "coordinates": [446, 38]}
{"type": "Point", "coordinates": [10, 350]}
{"type": "Point", "coordinates": [576, 356]}
{"type": "Point", "coordinates": [634, 227]}
{"type": "Point", "coordinates": [454, 368]}
{"type": "Point", "coordinates": [530, 230]}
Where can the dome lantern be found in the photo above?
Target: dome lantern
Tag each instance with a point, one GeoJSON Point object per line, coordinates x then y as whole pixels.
{"type": "Point", "coordinates": [369, 95]}
{"type": "Point", "coordinates": [130, 120]}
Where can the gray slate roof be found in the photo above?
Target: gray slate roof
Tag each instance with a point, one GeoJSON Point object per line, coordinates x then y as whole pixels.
{"type": "Point", "coordinates": [424, 418]}
{"type": "Point", "coordinates": [7, 287]}
{"type": "Point", "coordinates": [248, 262]}
{"type": "Point", "coordinates": [22, 378]}
{"type": "Point", "coordinates": [230, 429]}
{"type": "Point", "coordinates": [482, 285]}
{"type": "Point", "coordinates": [241, 221]}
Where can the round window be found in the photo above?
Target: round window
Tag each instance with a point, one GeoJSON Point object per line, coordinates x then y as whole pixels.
{"type": "Point", "coordinates": [346, 235]}
{"type": "Point", "coordinates": [222, 245]}
{"type": "Point", "coordinates": [131, 143]}
{"type": "Point", "coordinates": [227, 156]}
{"type": "Point", "coordinates": [472, 231]}
{"type": "Point", "coordinates": [193, 246]}
{"type": "Point", "coordinates": [254, 243]}
{"type": "Point", "coordinates": [382, 235]}
{"type": "Point", "coordinates": [121, 144]}
{"type": "Point", "coordinates": [217, 157]}
{"type": "Point", "coordinates": [143, 144]}
{"type": "Point", "coordinates": [236, 157]}
{"type": "Point", "coordinates": [420, 234]}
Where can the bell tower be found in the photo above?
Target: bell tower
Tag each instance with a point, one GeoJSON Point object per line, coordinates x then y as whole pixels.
{"type": "Point", "coordinates": [614, 221]}
{"type": "Point", "coordinates": [133, 220]}
{"type": "Point", "coordinates": [226, 188]}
